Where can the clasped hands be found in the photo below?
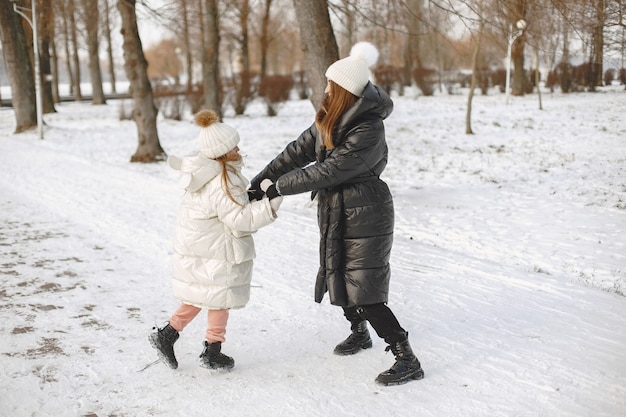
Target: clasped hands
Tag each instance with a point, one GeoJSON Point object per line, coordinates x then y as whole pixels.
{"type": "Point", "coordinates": [266, 188]}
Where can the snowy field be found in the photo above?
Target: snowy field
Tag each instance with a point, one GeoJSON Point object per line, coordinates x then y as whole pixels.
{"type": "Point", "coordinates": [508, 269]}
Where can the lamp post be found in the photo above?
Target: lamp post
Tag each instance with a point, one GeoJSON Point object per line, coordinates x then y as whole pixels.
{"type": "Point", "coordinates": [520, 25]}
{"type": "Point", "coordinates": [33, 25]}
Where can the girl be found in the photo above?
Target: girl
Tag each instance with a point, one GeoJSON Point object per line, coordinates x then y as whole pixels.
{"type": "Point", "coordinates": [340, 158]}
{"type": "Point", "coordinates": [213, 245]}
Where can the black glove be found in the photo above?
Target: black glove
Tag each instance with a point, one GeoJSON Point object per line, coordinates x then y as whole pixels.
{"type": "Point", "coordinates": [255, 193]}
{"type": "Point", "coordinates": [272, 192]}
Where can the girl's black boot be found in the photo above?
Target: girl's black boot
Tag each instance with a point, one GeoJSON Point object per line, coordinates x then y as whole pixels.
{"type": "Point", "coordinates": [213, 358]}
{"type": "Point", "coordinates": [163, 340]}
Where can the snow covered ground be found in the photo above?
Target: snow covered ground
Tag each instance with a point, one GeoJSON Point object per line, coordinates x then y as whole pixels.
{"type": "Point", "coordinates": [508, 269]}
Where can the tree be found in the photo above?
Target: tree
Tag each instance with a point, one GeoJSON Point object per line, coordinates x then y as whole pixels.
{"type": "Point", "coordinates": [144, 112]}
{"type": "Point", "coordinates": [242, 77]}
{"type": "Point", "coordinates": [188, 62]}
{"type": "Point", "coordinates": [45, 19]}
{"type": "Point", "coordinates": [19, 68]}
{"type": "Point", "coordinates": [71, 11]}
{"type": "Point", "coordinates": [107, 35]}
{"type": "Point", "coordinates": [318, 44]}
{"type": "Point", "coordinates": [210, 57]}
{"type": "Point", "coordinates": [265, 36]}
{"type": "Point", "coordinates": [90, 10]}
{"type": "Point", "coordinates": [62, 13]}
{"type": "Point", "coordinates": [470, 96]}
{"type": "Point", "coordinates": [518, 82]}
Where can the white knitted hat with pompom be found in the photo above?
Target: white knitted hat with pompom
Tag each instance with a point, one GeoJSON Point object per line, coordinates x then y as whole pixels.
{"type": "Point", "coordinates": [216, 139]}
{"type": "Point", "coordinates": [352, 73]}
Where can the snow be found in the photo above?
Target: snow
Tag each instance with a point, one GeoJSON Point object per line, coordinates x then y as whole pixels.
{"type": "Point", "coordinates": [508, 269]}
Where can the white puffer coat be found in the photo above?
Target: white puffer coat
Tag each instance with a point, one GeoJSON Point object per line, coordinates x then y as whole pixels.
{"type": "Point", "coordinates": [213, 244]}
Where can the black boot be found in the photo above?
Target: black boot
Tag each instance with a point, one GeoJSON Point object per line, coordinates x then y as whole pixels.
{"type": "Point", "coordinates": [212, 358]}
{"type": "Point", "coordinates": [406, 368]}
{"type": "Point", "coordinates": [163, 340]}
{"type": "Point", "coordinates": [358, 339]}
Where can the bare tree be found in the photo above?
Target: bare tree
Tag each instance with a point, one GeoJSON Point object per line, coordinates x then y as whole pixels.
{"type": "Point", "coordinates": [187, 44]}
{"type": "Point", "coordinates": [19, 68]}
{"type": "Point", "coordinates": [242, 77]}
{"type": "Point", "coordinates": [518, 82]}
{"type": "Point", "coordinates": [598, 41]}
{"type": "Point", "coordinates": [65, 25]}
{"type": "Point", "coordinates": [71, 11]}
{"type": "Point", "coordinates": [45, 19]}
{"type": "Point", "coordinates": [210, 56]}
{"type": "Point", "coordinates": [107, 35]}
{"type": "Point", "coordinates": [92, 19]}
{"type": "Point", "coordinates": [470, 96]}
{"type": "Point", "coordinates": [265, 36]}
{"type": "Point", "coordinates": [318, 44]}
{"type": "Point", "coordinates": [144, 113]}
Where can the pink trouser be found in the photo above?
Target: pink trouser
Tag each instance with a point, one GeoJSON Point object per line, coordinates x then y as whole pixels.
{"type": "Point", "coordinates": [216, 319]}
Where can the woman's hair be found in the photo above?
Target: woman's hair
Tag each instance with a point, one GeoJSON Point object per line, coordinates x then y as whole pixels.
{"type": "Point", "coordinates": [224, 160]}
{"type": "Point", "coordinates": [334, 105]}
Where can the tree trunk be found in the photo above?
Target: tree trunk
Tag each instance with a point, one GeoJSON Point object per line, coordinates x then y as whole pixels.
{"type": "Point", "coordinates": [518, 84]}
{"type": "Point", "coordinates": [210, 58]}
{"type": "Point", "coordinates": [45, 17]}
{"type": "Point", "coordinates": [144, 112]}
{"type": "Point", "coordinates": [598, 42]}
{"type": "Point", "coordinates": [55, 73]}
{"type": "Point", "coordinates": [265, 37]}
{"type": "Point", "coordinates": [349, 23]}
{"type": "Point", "coordinates": [470, 96]}
{"type": "Point", "coordinates": [188, 61]}
{"type": "Point", "coordinates": [19, 68]}
{"type": "Point", "coordinates": [107, 34]}
{"type": "Point", "coordinates": [92, 18]}
{"type": "Point", "coordinates": [537, 76]}
{"type": "Point", "coordinates": [318, 44]}
{"type": "Point", "coordinates": [412, 51]}
{"type": "Point", "coordinates": [71, 10]}
{"type": "Point", "coordinates": [66, 44]}
{"type": "Point", "coordinates": [519, 76]}
{"type": "Point", "coordinates": [242, 85]}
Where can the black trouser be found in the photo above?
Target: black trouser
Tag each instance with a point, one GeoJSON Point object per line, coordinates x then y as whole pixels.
{"type": "Point", "coordinates": [380, 317]}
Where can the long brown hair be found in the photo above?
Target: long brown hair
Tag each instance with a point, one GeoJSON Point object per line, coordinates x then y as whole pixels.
{"type": "Point", "coordinates": [224, 160]}
{"type": "Point", "coordinates": [334, 105]}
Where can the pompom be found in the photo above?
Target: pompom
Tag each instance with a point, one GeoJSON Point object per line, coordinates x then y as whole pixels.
{"type": "Point", "coordinates": [366, 51]}
{"type": "Point", "coordinates": [205, 118]}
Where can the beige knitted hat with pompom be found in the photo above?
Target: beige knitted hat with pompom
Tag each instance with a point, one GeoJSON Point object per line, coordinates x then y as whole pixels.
{"type": "Point", "coordinates": [216, 139]}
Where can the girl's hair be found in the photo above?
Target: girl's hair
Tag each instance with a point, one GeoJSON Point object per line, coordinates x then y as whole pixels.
{"type": "Point", "coordinates": [334, 105]}
{"type": "Point", "coordinates": [224, 160]}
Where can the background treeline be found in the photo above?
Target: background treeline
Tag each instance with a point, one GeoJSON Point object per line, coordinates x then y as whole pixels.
{"type": "Point", "coordinates": [226, 53]}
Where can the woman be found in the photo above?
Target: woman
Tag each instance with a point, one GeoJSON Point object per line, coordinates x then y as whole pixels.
{"type": "Point", "coordinates": [340, 159]}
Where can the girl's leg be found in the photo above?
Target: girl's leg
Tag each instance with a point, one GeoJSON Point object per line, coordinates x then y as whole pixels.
{"type": "Point", "coordinates": [216, 328]}
{"type": "Point", "coordinates": [183, 316]}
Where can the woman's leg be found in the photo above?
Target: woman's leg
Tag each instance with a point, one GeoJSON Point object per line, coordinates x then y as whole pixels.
{"type": "Point", "coordinates": [352, 315]}
{"type": "Point", "coordinates": [360, 336]}
{"type": "Point", "coordinates": [183, 316]}
{"type": "Point", "coordinates": [383, 321]}
{"type": "Point", "coordinates": [407, 367]}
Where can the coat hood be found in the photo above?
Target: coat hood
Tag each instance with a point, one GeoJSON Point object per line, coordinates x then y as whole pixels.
{"type": "Point", "coordinates": [374, 102]}
{"type": "Point", "coordinates": [195, 170]}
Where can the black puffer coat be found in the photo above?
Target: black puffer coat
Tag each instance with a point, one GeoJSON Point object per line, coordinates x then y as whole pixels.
{"type": "Point", "coordinates": [355, 207]}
